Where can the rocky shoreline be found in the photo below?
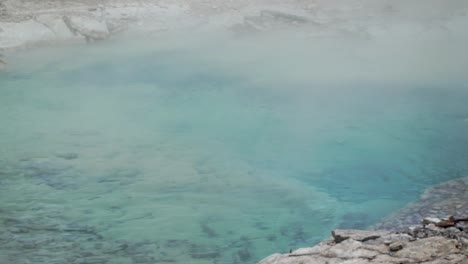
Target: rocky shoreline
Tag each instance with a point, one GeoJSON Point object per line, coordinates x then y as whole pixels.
{"type": "Point", "coordinates": [399, 238]}
{"type": "Point", "coordinates": [425, 243]}
{"type": "Point", "coordinates": [31, 23]}
{"type": "Point", "coordinates": [440, 201]}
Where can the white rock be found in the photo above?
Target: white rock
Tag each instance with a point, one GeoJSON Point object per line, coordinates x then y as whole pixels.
{"type": "Point", "coordinates": [56, 24]}
{"type": "Point", "coordinates": [13, 35]}
{"type": "Point", "coordinates": [90, 28]}
{"type": "Point", "coordinates": [430, 220]}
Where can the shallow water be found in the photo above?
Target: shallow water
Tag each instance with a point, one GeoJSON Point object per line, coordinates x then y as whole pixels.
{"type": "Point", "coordinates": [142, 154]}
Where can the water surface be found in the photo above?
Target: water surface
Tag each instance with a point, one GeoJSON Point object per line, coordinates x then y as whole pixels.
{"type": "Point", "coordinates": [207, 153]}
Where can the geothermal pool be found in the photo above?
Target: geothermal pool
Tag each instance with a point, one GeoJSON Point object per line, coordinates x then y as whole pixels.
{"type": "Point", "coordinates": [215, 153]}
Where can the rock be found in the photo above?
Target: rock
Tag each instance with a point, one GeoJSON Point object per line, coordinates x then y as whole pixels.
{"type": "Point", "coordinates": [433, 228]}
{"type": "Point", "coordinates": [56, 24]}
{"type": "Point", "coordinates": [421, 244]}
{"type": "Point", "coordinates": [92, 29]}
{"type": "Point", "coordinates": [67, 156]}
{"type": "Point", "coordinates": [429, 248]}
{"type": "Point", "coordinates": [430, 220]}
{"type": "Point", "coordinates": [394, 237]}
{"type": "Point", "coordinates": [388, 259]}
{"type": "Point", "coordinates": [271, 259]}
{"type": "Point", "coordinates": [413, 230]}
{"type": "Point", "coordinates": [304, 251]}
{"type": "Point", "coordinates": [24, 33]}
{"type": "Point", "coordinates": [269, 19]}
{"type": "Point", "coordinates": [395, 246]}
{"type": "Point", "coordinates": [358, 235]}
{"type": "Point", "coordinates": [448, 198]}
{"type": "Point", "coordinates": [349, 249]}
{"type": "Point", "coordinates": [463, 226]}
{"type": "Point", "coordinates": [283, 17]}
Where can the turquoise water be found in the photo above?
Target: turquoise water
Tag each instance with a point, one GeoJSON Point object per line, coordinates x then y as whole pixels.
{"type": "Point", "coordinates": [120, 153]}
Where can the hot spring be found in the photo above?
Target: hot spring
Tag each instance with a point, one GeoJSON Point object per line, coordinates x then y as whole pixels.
{"type": "Point", "coordinates": [221, 150]}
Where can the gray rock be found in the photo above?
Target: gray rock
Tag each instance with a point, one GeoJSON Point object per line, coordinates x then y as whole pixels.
{"type": "Point", "coordinates": [349, 249]}
{"type": "Point", "coordinates": [429, 248]}
{"type": "Point", "coordinates": [358, 235]}
{"type": "Point", "coordinates": [283, 17]}
{"type": "Point", "coordinates": [448, 198]}
{"type": "Point", "coordinates": [395, 246]}
{"type": "Point", "coordinates": [430, 244]}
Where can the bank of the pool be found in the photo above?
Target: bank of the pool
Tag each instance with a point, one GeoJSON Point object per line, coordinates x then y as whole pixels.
{"type": "Point", "coordinates": [433, 229]}
{"type": "Point", "coordinates": [35, 23]}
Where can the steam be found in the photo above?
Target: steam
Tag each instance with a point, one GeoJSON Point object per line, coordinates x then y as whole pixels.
{"type": "Point", "coordinates": [384, 42]}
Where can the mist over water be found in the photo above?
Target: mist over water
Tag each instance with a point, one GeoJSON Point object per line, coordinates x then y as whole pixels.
{"type": "Point", "coordinates": [221, 149]}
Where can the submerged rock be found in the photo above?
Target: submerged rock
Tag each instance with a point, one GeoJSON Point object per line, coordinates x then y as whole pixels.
{"type": "Point", "coordinates": [67, 156]}
{"type": "Point", "coordinates": [440, 201]}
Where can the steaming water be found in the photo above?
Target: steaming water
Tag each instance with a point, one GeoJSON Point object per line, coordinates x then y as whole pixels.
{"type": "Point", "coordinates": [144, 154]}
